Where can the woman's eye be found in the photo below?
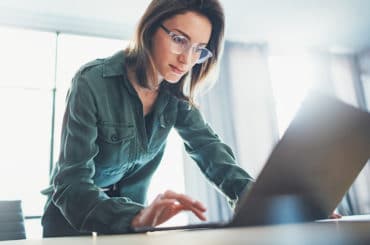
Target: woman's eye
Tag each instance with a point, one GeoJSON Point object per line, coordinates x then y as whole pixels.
{"type": "Point", "coordinates": [180, 40]}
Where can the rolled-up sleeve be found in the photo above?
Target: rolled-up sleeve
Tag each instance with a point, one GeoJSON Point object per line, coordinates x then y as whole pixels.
{"type": "Point", "coordinates": [215, 159]}
{"type": "Point", "coordinates": [82, 203]}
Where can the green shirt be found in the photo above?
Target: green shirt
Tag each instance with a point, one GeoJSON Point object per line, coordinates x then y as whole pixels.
{"type": "Point", "coordinates": [105, 141]}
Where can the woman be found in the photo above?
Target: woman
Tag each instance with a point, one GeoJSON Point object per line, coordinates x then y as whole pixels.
{"type": "Point", "coordinates": [119, 113]}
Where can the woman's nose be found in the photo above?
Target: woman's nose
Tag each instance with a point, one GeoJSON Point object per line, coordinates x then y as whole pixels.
{"type": "Point", "coordinates": [186, 56]}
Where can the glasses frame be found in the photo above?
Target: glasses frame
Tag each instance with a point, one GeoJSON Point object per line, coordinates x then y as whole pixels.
{"type": "Point", "coordinates": [171, 34]}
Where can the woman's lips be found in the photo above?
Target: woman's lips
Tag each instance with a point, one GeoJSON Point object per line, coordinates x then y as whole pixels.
{"type": "Point", "coordinates": [177, 70]}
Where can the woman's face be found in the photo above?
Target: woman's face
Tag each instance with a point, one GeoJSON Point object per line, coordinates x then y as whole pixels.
{"type": "Point", "coordinates": [170, 66]}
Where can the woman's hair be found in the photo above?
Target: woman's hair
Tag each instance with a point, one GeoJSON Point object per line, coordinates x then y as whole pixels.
{"type": "Point", "coordinates": [138, 54]}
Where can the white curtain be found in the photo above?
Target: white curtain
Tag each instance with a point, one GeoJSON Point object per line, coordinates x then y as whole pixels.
{"type": "Point", "coordinates": [364, 64]}
{"type": "Point", "coordinates": [240, 108]}
{"type": "Point", "coordinates": [340, 75]}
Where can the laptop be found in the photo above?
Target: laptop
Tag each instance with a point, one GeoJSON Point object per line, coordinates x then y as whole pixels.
{"type": "Point", "coordinates": [309, 170]}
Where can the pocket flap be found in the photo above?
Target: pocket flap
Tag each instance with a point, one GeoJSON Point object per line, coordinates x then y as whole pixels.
{"type": "Point", "coordinates": [116, 134]}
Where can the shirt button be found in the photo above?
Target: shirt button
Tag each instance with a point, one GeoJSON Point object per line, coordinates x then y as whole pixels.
{"type": "Point", "coordinates": [162, 121]}
{"type": "Point", "coordinates": [114, 137]}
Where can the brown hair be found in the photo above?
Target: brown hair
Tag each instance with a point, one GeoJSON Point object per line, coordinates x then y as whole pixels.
{"type": "Point", "coordinates": [138, 54]}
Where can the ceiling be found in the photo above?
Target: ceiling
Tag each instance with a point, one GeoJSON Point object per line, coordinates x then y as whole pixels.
{"type": "Point", "coordinates": [339, 25]}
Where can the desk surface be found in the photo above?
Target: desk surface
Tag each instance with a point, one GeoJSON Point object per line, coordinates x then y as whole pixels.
{"type": "Point", "coordinates": [337, 232]}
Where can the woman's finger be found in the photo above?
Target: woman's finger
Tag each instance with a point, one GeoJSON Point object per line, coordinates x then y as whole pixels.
{"type": "Point", "coordinates": [335, 216]}
{"type": "Point", "coordinates": [180, 207]}
{"type": "Point", "coordinates": [184, 199]}
{"type": "Point", "coordinates": [167, 205]}
{"type": "Point", "coordinates": [196, 211]}
{"type": "Point", "coordinates": [199, 205]}
{"type": "Point", "coordinates": [189, 204]}
{"type": "Point", "coordinates": [168, 212]}
{"type": "Point", "coordinates": [174, 206]}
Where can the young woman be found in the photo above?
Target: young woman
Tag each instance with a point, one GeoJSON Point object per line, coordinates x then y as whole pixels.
{"type": "Point", "coordinates": [119, 113]}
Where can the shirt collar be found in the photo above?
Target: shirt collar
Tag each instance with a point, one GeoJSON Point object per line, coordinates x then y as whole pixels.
{"type": "Point", "coordinates": [114, 65]}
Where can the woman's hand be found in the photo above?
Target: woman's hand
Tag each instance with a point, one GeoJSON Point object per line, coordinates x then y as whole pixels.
{"type": "Point", "coordinates": [165, 206]}
{"type": "Point", "coordinates": [335, 216]}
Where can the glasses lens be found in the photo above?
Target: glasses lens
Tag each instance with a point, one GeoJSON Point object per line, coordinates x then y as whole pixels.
{"type": "Point", "coordinates": [179, 43]}
{"type": "Point", "coordinates": [205, 54]}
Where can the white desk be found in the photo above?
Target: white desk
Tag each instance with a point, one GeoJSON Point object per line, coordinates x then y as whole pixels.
{"type": "Point", "coordinates": [349, 218]}
{"type": "Point", "coordinates": [336, 232]}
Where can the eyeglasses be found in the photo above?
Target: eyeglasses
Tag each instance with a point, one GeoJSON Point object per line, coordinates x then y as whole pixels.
{"type": "Point", "coordinates": [180, 44]}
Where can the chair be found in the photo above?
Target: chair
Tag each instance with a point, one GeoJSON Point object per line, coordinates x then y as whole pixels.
{"type": "Point", "coordinates": [11, 221]}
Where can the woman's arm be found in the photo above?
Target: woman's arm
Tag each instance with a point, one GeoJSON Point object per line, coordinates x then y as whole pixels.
{"type": "Point", "coordinates": [215, 159]}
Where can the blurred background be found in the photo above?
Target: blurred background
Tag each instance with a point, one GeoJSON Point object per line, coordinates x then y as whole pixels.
{"type": "Point", "coordinates": [275, 52]}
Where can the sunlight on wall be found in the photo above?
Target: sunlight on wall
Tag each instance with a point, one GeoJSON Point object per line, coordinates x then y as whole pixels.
{"type": "Point", "coordinates": [366, 84]}
{"type": "Point", "coordinates": [342, 73]}
{"type": "Point", "coordinates": [291, 77]}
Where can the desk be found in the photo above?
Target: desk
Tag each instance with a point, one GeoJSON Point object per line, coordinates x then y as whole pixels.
{"type": "Point", "coordinates": [336, 232]}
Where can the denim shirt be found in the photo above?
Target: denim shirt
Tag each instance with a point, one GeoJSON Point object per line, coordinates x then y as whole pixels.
{"type": "Point", "coordinates": [104, 142]}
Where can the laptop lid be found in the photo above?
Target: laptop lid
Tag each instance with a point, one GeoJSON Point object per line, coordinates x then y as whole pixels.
{"type": "Point", "coordinates": [311, 167]}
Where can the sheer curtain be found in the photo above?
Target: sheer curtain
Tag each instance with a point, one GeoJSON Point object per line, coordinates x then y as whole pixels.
{"type": "Point", "coordinates": [341, 76]}
{"type": "Point", "coordinates": [240, 109]}
{"type": "Point", "coordinates": [364, 64]}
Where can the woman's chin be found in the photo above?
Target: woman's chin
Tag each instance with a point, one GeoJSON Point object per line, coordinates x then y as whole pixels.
{"type": "Point", "coordinates": [172, 79]}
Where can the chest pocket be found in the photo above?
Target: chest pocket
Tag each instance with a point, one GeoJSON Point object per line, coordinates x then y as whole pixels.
{"type": "Point", "coordinates": [115, 145]}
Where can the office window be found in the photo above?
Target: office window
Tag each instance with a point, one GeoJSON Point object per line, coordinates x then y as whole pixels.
{"type": "Point", "coordinates": [27, 76]}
